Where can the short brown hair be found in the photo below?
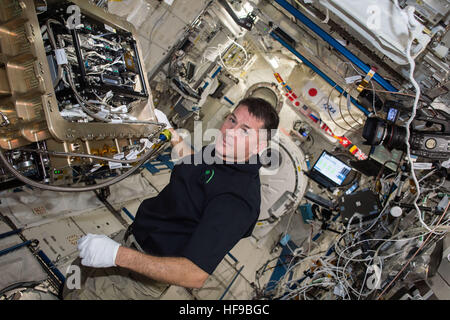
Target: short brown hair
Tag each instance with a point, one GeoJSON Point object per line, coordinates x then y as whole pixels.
{"type": "Point", "coordinates": [262, 110]}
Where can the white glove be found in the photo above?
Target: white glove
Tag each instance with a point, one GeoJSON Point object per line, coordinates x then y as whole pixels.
{"type": "Point", "coordinates": [98, 251]}
{"type": "Point", "coordinates": [161, 116]}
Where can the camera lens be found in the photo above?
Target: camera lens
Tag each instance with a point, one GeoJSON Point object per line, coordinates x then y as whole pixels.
{"type": "Point", "coordinates": [395, 138]}
{"type": "Point", "coordinates": [376, 131]}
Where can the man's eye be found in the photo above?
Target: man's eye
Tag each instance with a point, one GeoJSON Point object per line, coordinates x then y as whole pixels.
{"type": "Point", "coordinates": [232, 120]}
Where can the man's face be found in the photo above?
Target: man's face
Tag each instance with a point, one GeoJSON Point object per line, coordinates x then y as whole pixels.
{"type": "Point", "coordinates": [241, 136]}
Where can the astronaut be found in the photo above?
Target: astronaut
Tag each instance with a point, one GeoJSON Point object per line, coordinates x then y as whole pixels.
{"type": "Point", "coordinates": [181, 235]}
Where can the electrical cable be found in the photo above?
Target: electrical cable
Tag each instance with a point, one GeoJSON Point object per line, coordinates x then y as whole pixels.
{"type": "Point", "coordinates": [396, 93]}
{"type": "Point", "coordinates": [290, 268]}
{"type": "Point", "coordinates": [351, 287]}
{"type": "Point", "coordinates": [82, 103]}
{"type": "Point", "coordinates": [340, 254]}
{"type": "Point", "coordinates": [309, 138]}
{"type": "Point", "coordinates": [234, 68]}
{"type": "Point", "coordinates": [348, 106]}
{"type": "Point", "coordinates": [305, 287]}
{"type": "Point", "coordinates": [377, 218]}
{"type": "Point", "coordinates": [374, 109]}
{"type": "Point", "coordinates": [51, 37]}
{"type": "Point", "coordinates": [380, 172]}
{"type": "Point", "coordinates": [364, 281]}
{"type": "Point", "coordinates": [352, 259]}
{"type": "Point", "coordinates": [78, 97]}
{"type": "Point", "coordinates": [414, 255]}
{"type": "Point", "coordinates": [348, 94]}
{"type": "Point", "coordinates": [82, 155]}
{"type": "Point", "coordinates": [340, 110]}
{"type": "Point", "coordinates": [408, 123]}
{"type": "Point", "coordinates": [326, 268]}
{"type": "Point", "coordinates": [329, 113]}
{"type": "Point", "coordinates": [427, 175]}
{"type": "Point", "coordinates": [436, 187]}
{"type": "Point", "coordinates": [33, 183]}
{"type": "Point", "coordinates": [392, 239]}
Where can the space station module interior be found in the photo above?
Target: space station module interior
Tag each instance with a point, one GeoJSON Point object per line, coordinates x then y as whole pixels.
{"type": "Point", "coordinates": [354, 203]}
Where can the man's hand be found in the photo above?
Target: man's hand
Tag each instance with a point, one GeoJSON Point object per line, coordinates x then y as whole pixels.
{"type": "Point", "coordinates": [161, 116]}
{"type": "Point", "coordinates": [98, 251]}
{"type": "Point", "coordinates": [179, 147]}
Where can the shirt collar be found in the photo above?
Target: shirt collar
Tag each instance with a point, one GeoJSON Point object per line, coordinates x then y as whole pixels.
{"type": "Point", "coordinates": [253, 164]}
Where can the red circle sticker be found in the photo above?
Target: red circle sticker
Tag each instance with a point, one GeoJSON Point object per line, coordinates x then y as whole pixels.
{"type": "Point", "coordinates": [297, 103]}
{"type": "Point", "coordinates": [312, 92]}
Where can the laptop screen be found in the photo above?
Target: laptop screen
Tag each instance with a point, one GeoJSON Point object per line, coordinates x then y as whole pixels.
{"type": "Point", "coordinates": [332, 168]}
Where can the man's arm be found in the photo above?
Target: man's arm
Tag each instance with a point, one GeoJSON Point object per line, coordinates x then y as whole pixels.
{"type": "Point", "coordinates": [99, 251]}
{"type": "Point", "coordinates": [180, 147]}
{"type": "Point", "coordinates": [173, 270]}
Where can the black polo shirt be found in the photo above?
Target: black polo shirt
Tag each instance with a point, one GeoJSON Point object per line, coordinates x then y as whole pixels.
{"type": "Point", "coordinates": [202, 213]}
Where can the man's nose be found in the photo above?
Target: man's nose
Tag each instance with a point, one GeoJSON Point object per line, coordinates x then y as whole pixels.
{"type": "Point", "coordinates": [231, 133]}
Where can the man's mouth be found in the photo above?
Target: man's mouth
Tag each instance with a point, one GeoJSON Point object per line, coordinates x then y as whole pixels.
{"type": "Point", "coordinates": [225, 144]}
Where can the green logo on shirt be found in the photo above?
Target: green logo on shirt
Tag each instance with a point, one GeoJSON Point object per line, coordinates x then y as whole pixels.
{"type": "Point", "coordinates": [208, 175]}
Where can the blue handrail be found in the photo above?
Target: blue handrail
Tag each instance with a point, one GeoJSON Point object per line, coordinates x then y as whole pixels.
{"type": "Point", "coordinates": [335, 44]}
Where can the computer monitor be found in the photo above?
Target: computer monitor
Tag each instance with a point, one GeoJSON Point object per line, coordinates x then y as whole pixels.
{"type": "Point", "coordinates": [329, 171]}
